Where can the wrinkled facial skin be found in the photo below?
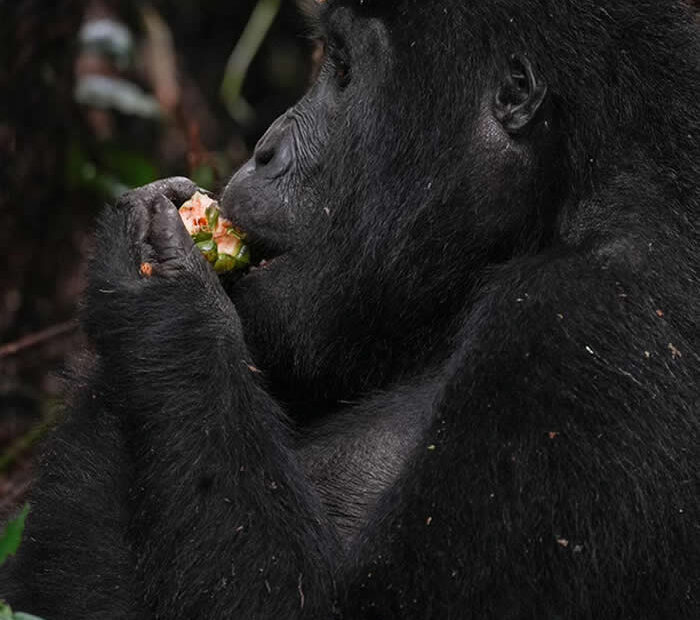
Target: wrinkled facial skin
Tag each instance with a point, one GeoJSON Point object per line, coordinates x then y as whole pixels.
{"type": "Point", "coordinates": [378, 220]}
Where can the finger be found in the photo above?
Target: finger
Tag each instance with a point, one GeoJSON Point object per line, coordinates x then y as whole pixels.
{"type": "Point", "coordinates": [138, 226]}
{"type": "Point", "coordinates": [175, 189]}
{"type": "Point", "coordinates": [168, 235]}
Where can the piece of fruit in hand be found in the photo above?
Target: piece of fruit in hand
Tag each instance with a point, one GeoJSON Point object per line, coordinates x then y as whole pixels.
{"type": "Point", "coordinates": [221, 243]}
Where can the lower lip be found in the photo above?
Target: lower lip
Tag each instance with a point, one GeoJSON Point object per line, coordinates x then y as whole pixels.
{"type": "Point", "coordinates": [263, 264]}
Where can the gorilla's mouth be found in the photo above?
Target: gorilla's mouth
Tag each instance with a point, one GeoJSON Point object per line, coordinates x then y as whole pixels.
{"type": "Point", "coordinates": [257, 267]}
{"type": "Point", "coordinates": [263, 264]}
{"type": "Point", "coordinates": [267, 237]}
{"type": "Point", "coordinates": [262, 252]}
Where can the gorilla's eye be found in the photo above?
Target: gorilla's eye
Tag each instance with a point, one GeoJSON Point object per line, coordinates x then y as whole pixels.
{"type": "Point", "coordinates": [342, 72]}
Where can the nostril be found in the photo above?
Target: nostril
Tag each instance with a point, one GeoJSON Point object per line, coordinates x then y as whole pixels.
{"type": "Point", "coordinates": [272, 154]}
{"type": "Point", "coordinates": [264, 156]}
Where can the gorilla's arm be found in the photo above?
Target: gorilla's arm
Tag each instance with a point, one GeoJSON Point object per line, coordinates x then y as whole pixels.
{"type": "Point", "coordinates": [76, 559]}
{"type": "Point", "coordinates": [556, 483]}
{"type": "Point", "coordinates": [221, 521]}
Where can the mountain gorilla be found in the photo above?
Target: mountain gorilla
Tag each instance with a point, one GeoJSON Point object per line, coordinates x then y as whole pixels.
{"type": "Point", "coordinates": [463, 384]}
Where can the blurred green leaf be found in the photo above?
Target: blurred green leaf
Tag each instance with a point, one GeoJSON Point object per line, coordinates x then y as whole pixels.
{"type": "Point", "coordinates": [12, 536]}
{"type": "Point", "coordinates": [204, 176]}
{"type": "Point", "coordinates": [130, 167]}
{"type": "Point", "coordinates": [6, 613]}
{"type": "Point", "coordinates": [83, 174]}
{"type": "Point", "coordinates": [80, 171]}
{"type": "Point", "coordinates": [256, 30]}
{"type": "Point", "coordinates": [118, 170]}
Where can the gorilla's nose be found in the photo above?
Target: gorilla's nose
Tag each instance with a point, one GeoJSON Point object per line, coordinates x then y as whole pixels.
{"type": "Point", "coordinates": [273, 152]}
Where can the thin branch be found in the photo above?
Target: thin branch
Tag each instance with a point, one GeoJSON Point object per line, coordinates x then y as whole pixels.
{"type": "Point", "coordinates": [32, 340]}
{"type": "Point", "coordinates": [247, 47]}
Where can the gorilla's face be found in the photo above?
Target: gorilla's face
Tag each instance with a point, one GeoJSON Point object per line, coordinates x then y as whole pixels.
{"type": "Point", "coordinates": [376, 202]}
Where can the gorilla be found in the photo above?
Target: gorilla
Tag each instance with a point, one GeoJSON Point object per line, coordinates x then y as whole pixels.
{"type": "Point", "coordinates": [462, 380]}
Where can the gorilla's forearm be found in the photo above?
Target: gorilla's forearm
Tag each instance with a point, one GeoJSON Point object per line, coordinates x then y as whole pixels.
{"type": "Point", "coordinates": [214, 482]}
{"type": "Point", "coordinates": [76, 559]}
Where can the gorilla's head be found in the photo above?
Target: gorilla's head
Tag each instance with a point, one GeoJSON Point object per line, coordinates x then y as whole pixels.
{"type": "Point", "coordinates": [439, 140]}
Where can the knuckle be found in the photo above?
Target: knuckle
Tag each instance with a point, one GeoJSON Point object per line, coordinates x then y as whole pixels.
{"type": "Point", "coordinates": [179, 180]}
{"type": "Point", "coordinates": [126, 199]}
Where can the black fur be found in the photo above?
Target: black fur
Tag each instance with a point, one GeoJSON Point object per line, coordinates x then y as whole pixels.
{"type": "Point", "coordinates": [466, 386]}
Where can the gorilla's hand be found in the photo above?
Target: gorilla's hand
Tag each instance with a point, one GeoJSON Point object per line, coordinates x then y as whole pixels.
{"type": "Point", "coordinates": [157, 237]}
{"type": "Point", "coordinates": [148, 283]}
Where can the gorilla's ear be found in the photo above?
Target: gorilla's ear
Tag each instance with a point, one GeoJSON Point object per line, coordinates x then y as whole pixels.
{"type": "Point", "coordinates": [519, 96]}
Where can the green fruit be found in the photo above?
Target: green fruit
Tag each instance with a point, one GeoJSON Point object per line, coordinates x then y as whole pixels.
{"type": "Point", "coordinates": [225, 263]}
{"type": "Point", "coordinates": [212, 215]}
{"type": "Point", "coordinates": [208, 249]}
{"type": "Point", "coordinates": [202, 236]}
{"type": "Point", "coordinates": [243, 257]}
{"type": "Point", "coordinates": [239, 234]}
